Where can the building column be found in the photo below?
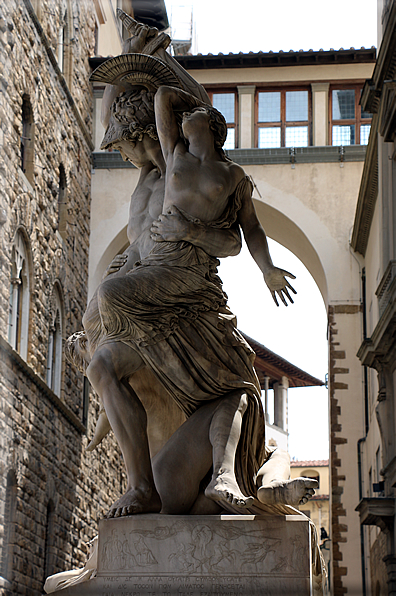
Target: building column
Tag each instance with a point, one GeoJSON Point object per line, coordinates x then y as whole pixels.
{"type": "Point", "coordinates": [280, 403]}
{"type": "Point", "coordinates": [320, 113]}
{"type": "Point", "coordinates": [246, 116]}
{"type": "Point", "coordinates": [266, 389]}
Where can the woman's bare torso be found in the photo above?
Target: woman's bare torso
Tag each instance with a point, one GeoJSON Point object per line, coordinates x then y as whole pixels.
{"type": "Point", "coordinates": [199, 188]}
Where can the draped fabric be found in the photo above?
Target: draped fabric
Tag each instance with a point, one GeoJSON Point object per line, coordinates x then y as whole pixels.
{"type": "Point", "coordinates": [172, 310]}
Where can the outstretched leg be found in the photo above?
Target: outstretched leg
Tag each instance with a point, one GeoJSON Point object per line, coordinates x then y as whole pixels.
{"type": "Point", "coordinates": [275, 486]}
{"type": "Point", "coordinates": [108, 372]}
{"type": "Point", "coordinates": [224, 435]}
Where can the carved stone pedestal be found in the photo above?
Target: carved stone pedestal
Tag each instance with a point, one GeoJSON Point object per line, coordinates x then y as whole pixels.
{"type": "Point", "coordinates": [227, 555]}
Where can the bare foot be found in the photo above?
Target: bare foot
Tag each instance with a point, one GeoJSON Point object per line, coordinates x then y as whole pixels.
{"type": "Point", "coordinates": [224, 487]}
{"type": "Point", "coordinates": [102, 429]}
{"type": "Point", "coordinates": [287, 492]}
{"type": "Point", "coordinates": [136, 501]}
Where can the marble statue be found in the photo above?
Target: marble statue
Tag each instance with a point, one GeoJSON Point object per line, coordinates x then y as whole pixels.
{"type": "Point", "coordinates": [161, 311]}
{"type": "Point", "coordinates": [160, 346]}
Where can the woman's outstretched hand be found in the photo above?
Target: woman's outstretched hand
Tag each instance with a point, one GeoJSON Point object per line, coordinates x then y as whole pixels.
{"type": "Point", "coordinates": [278, 285]}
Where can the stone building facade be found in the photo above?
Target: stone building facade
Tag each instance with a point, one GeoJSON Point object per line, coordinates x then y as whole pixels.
{"type": "Point", "coordinates": [374, 240]}
{"type": "Point", "coordinates": [51, 493]}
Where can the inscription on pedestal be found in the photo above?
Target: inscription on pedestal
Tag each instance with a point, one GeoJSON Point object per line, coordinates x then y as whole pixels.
{"type": "Point", "coordinates": [203, 556]}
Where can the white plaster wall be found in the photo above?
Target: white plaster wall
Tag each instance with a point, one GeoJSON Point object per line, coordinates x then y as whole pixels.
{"type": "Point", "coordinates": [310, 210]}
{"type": "Point", "coordinates": [111, 194]}
{"type": "Point", "coordinates": [328, 72]}
{"type": "Point", "coordinates": [109, 39]}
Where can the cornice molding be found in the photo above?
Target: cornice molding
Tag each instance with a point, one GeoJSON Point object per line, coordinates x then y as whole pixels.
{"type": "Point", "coordinates": [385, 67]}
{"type": "Point", "coordinates": [368, 193]}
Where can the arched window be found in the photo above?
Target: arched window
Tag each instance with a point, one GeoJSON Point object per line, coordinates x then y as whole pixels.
{"type": "Point", "coordinates": [313, 474]}
{"type": "Point", "coordinates": [19, 297]}
{"type": "Point", "coordinates": [62, 202]}
{"type": "Point", "coordinates": [55, 346]}
{"type": "Point", "coordinates": [64, 54]}
{"type": "Point", "coordinates": [62, 40]}
{"type": "Point", "coordinates": [9, 526]}
{"type": "Point", "coordinates": [27, 139]}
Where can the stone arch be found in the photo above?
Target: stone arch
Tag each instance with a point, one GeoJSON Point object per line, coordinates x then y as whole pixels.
{"type": "Point", "coordinates": [285, 231]}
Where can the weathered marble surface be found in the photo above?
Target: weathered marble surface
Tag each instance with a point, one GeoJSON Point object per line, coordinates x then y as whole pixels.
{"type": "Point", "coordinates": [160, 555]}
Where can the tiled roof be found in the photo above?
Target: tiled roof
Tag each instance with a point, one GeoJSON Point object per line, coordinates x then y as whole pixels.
{"type": "Point", "coordinates": [259, 59]}
{"type": "Point", "coordinates": [269, 364]}
{"type": "Point", "coordinates": [309, 463]}
{"type": "Point", "coordinates": [291, 58]}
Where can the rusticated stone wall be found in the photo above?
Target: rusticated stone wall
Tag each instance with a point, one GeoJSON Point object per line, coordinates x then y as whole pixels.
{"type": "Point", "coordinates": [346, 427]}
{"type": "Point", "coordinates": [56, 493]}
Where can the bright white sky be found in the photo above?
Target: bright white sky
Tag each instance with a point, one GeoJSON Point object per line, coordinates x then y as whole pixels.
{"type": "Point", "coordinates": [298, 332]}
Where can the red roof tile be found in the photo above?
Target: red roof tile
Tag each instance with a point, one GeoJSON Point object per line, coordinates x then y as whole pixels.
{"type": "Point", "coordinates": [309, 463]}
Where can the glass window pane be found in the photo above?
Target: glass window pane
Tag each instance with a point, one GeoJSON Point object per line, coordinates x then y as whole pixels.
{"type": "Point", "coordinates": [296, 106]}
{"type": "Point", "coordinates": [225, 103]}
{"type": "Point", "coordinates": [230, 140]}
{"type": "Point", "coordinates": [344, 135]}
{"type": "Point", "coordinates": [343, 104]}
{"type": "Point", "coordinates": [297, 136]}
{"type": "Point", "coordinates": [269, 137]}
{"type": "Point", "coordinates": [269, 107]}
{"type": "Point", "coordinates": [364, 133]}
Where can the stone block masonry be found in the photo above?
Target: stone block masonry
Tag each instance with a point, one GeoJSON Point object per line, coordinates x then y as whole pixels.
{"type": "Point", "coordinates": [51, 493]}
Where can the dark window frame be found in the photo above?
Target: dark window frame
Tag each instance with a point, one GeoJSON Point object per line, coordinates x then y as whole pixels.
{"type": "Point", "coordinates": [282, 123]}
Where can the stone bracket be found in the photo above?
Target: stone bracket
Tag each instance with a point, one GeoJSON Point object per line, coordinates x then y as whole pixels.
{"type": "Point", "coordinates": [377, 511]}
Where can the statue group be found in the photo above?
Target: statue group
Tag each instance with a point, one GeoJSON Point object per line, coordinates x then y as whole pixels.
{"type": "Point", "coordinates": [161, 310]}
{"type": "Point", "coordinates": [158, 325]}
